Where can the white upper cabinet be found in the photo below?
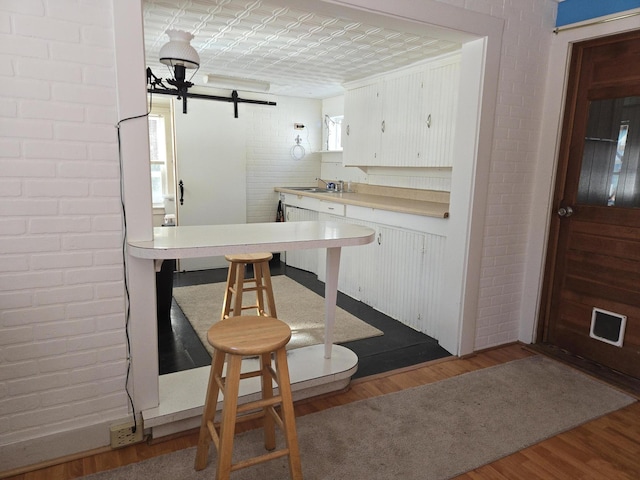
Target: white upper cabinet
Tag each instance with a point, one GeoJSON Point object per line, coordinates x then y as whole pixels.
{"type": "Point", "coordinates": [441, 105]}
{"type": "Point", "coordinates": [361, 133]}
{"type": "Point", "coordinates": [405, 119]}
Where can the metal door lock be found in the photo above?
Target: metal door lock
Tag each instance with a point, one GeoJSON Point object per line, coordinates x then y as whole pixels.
{"type": "Point", "coordinates": [565, 211]}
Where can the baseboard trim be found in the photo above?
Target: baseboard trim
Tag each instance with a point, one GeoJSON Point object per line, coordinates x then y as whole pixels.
{"type": "Point", "coordinates": [41, 452]}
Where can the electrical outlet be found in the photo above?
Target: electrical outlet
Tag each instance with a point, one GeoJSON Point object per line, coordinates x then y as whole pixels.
{"type": "Point", "coordinates": [123, 435]}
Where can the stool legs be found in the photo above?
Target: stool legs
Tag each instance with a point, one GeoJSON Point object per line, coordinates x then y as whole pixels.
{"type": "Point", "coordinates": [269, 423]}
{"type": "Point", "coordinates": [266, 287]}
{"type": "Point", "coordinates": [288, 414]}
{"type": "Point", "coordinates": [232, 304]}
{"type": "Point", "coordinates": [228, 420]}
{"type": "Point", "coordinates": [238, 285]}
{"type": "Point", "coordinates": [228, 294]}
{"type": "Point", "coordinates": [209, 413]}
{"type": "Point", "coordinates": [230, 385]}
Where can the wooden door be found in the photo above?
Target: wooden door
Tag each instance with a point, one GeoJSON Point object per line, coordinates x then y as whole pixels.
{"type": "Point", "coordinates": [591, 302]}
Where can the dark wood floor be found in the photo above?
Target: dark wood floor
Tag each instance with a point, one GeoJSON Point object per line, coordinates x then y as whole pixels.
{"type": "Point", "coordinates": [180, 348]}
{"type": "Point", "coordinates": [607, 448]}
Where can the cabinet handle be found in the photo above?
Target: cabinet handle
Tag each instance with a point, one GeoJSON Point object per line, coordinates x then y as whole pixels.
{"type": "Point", "coordinates": [383, 126]}
{"type": "Point", "coordinates": [348, 129]}
{"type": "Point", "coordinates": [379, 238]}
{"type": "Point", "coordinates": [288, 218]}
{"type": "Point", "coordinates": [429, 121]}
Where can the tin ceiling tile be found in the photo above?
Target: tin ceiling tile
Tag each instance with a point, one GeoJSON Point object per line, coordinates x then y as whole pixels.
{"type": "Point", "coordinates": [301, 52]}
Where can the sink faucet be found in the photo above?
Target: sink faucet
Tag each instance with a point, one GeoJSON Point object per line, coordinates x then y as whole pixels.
{"type": "Point", "coordinates": [332, 187]}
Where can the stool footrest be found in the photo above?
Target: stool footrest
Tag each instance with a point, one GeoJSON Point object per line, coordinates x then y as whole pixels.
{"type": "Point", "coordinates": [266, 402]}
{"type": "Point", "coordinates": [249, 462]}
{"type": "Point", "coordinates": [247, 289]}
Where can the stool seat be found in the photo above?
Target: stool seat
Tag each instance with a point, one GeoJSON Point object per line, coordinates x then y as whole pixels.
{"type": "Point", "coordinates": [253, 336]}
{"type": "Point", "coordinates": [233, 338]}
{"type": "Point", "coordinates": [237, 285]}
{"type": "Point", "coordinates": [249, 257]}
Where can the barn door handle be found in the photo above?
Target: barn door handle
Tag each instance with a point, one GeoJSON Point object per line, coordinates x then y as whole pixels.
{"type": "Point", "coordinates": [181, 185]}
{"type": "Point", "coordinates": [565, 211]}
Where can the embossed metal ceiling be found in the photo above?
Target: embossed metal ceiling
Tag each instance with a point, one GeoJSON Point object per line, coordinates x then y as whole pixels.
{"type": "Point", "coordinates": [304, 48]}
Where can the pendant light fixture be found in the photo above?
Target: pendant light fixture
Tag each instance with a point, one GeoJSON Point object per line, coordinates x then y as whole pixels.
{"type": "Point", "coordinates": [180, 56]}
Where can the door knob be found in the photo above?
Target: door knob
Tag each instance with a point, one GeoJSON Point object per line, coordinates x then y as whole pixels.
{"type": "Point", "coordinates": [565, 211]}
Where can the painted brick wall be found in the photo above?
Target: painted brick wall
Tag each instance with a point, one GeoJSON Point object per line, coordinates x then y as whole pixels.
{"type": "Point", "coordinates": [62, 348]}
{"type": "Point", "coordinates": [270, 138]}
{"type": "Point", "coordinates": [526, 42]}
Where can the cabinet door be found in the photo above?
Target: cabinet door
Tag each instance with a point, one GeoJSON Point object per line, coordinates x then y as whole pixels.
{"type": "Point", "coordinates": [303, 259]}
{"type": "Point", "coordinates": [361, 126]}
{"type": "Point", "coordinates": [398, 274]}
{"type": "Point", "coordinates": [441, 104]}
{"type": "Point", "coordinates": [403, 122]}
{"type": "Point", "coordinates": [356, 268]}
{"type": "Point", "coordinates": [399, 258]}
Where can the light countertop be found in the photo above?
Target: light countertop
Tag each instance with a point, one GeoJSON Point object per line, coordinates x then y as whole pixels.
{"type": "Point", "coordinates": [212, 240]}
{"type": "Point", "coordinates": [387, 198]}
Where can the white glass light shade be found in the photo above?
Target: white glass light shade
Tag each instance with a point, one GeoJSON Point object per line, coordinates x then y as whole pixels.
{"type": "Point", "coordinates": [179, 51]}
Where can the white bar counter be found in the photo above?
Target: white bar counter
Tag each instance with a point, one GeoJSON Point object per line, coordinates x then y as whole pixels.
{"type": "Point", "coordinates": [215, 240]}
{"type": "Point", "coordinates": [314, 370]}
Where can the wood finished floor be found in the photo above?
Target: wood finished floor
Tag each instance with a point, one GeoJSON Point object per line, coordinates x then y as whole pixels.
{"type": "Point", "coordinates": [605, 448]}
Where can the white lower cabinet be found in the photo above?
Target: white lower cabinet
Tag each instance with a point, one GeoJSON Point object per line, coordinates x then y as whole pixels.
{"type": "Point", "coordinates": [399, 274]}
{"type": "Point", "coordinates": [302, 259]}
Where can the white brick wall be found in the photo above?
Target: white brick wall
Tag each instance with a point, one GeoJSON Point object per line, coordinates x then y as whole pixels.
{"type": "Point", "coordinates": [62, 355]}
{"type": "Point", "coordinates": [526, 42]}
{"type": "Point", "coordinates": [270, 137]}
{"type": "Point", "coordinates": [62, 346]}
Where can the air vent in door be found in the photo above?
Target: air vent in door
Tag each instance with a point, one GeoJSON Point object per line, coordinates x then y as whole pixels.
{"type": "Point", "coordinates": [607, 326]}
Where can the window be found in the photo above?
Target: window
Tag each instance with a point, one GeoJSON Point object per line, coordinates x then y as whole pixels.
{"type": "Point", "coordinates": [333, 132]}
{"type": "Point", "coordinates": [610, 171]}
{"type": "Point", "coordinates": [161, 153]}
{"type": "Point", "coordinates": [158, 155]}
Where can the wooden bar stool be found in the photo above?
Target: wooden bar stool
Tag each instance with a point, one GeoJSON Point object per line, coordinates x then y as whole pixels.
{"type": "Point", "coordinates": [236, 285]}
{"type": "Point", "coordinates": [231, 339]}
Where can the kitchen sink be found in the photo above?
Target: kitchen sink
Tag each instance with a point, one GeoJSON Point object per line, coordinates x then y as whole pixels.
{"type": "Point", "coordinates": [311, 189]}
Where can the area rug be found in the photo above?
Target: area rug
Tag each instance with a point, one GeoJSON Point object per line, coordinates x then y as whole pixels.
{"type": "Point", "coordinates": [299, 307]}
{"type": "Point", "coordinates": [431, 432]}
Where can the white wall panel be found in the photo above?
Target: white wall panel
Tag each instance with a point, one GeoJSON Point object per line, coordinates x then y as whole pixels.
{"type": "Point", "coordinates": [303, 259]}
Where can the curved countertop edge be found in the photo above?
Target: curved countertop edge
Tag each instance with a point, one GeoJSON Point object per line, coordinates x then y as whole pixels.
{"type": "Point", "coordinates": [392, 204]}
{"type": "Point", "coordinates": [215, 240]}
